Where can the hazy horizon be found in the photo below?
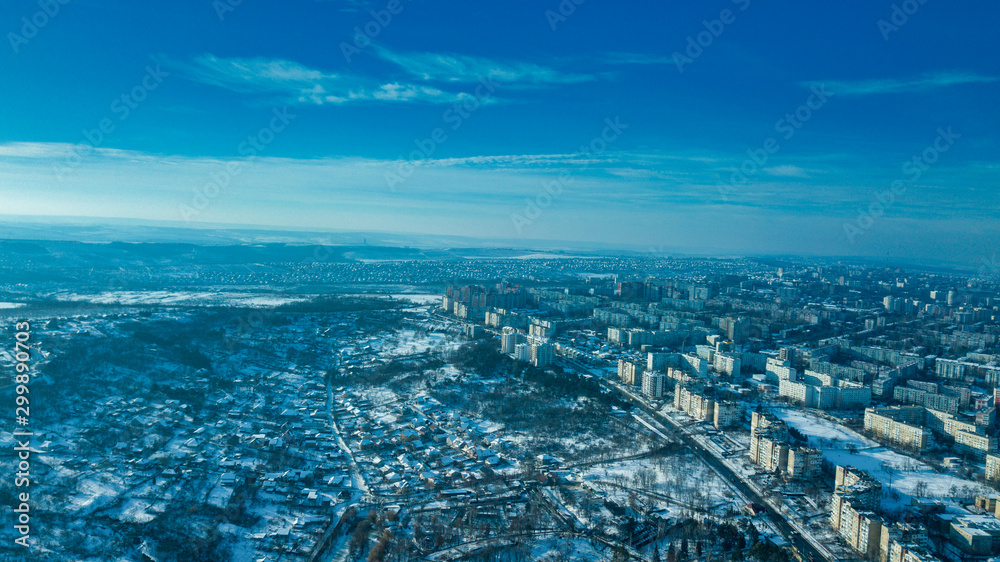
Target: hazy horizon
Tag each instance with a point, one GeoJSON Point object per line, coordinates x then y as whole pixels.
{"type": "Point", "coordinates": [733, 128]}
{"type": "Point", "coordinates": [131, 231]}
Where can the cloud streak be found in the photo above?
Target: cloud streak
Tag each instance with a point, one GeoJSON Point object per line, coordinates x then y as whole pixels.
{"type": "Point", "coordinates": [923, 83]}
{"type": "Point", "coordinates": [673, 194]}
{"type": "Point", "coordinates": [451, 68]}
{"type": "Point", "coordinates": [291, 82]}
{"type": "Point", "coordinates": [787, 171]}
{"type": "Point", "coordinates": [433, 78]}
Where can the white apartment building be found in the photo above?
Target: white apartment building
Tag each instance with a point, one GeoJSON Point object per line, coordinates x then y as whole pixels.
{"type": "Point", "coordinates": [654, 384]}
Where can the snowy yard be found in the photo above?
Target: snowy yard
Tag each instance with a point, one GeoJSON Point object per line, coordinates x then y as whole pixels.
{"type": "Point", "coordinates": [896, 471]}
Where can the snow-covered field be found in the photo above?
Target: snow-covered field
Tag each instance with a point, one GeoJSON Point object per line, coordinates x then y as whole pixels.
{"type": "Point", "coordinates": [408, 342]}
{"type": "Point", "coordinates": [896, 471]}
{"type": "Point", "coordinates": [419, 298]}
{"type": "Point", "coordinates": [686, 481]}
{"type": "Point", "coordinates": [91, 495]}
{"type": "Point", "coordinates": [823, 434]}
{"type": "Point", "coordinates": [200, 298]}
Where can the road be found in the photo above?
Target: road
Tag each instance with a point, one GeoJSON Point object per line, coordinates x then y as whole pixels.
{"type": "Point", "coordinates": [791, 534]}
{"type": "Point", "coordinates": [784, 526]}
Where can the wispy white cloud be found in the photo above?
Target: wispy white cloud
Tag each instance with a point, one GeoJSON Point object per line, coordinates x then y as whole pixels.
{"type": "Point", "coordinates": [921, 83]}
{"type": "Point", "coordinates": [35, 149]}
{"type": "Point", "coordinates": [62, 150]}
{"type": "Point", "coordinates": [787, 171]}
{"type": "Point", "coordinates": [451, 68]}
{"type": "Point", "coordinates": [629, 190]}
{"type": "Point", "coordinates": [434, 77]}
{"type": "Point", "coordinates": [291, 82]}
{"type": "Point", "coordinates": [514, 160]}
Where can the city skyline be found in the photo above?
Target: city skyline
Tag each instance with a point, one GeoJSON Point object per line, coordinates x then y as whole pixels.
{"type": "Point", "coordinates": [736, 127]}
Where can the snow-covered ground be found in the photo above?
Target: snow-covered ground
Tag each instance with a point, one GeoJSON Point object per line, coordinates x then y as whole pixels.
{"type": "Point", "coordinates": [419, 298]}
{"type": "Point", "coordinates": [896, 471]}
{"type": "Point", "coordinates": [200, 298]}
{"type": "Point", "coordinates": [685, 480]}
{"type": "Point", "coordinates": [822, 433]}
{"type": "Point", "coordinates": [93, 494]}
{"type": "Point", "coordinates": [409, 342]}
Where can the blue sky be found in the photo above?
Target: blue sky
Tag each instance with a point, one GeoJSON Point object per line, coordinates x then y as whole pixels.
{"type": "Point", "coordinates": [599, 121]}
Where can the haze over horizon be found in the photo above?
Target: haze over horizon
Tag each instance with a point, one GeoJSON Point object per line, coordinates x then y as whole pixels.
{"type": "Point", "coordinates": [738, 127]}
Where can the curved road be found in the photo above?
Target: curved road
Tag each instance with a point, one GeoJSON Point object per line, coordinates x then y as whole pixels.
{"type": "Point", "coordinates": [807, 550]}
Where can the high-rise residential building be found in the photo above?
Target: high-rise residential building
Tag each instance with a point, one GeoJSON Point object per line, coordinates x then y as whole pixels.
{"type": "Point", "coordinates": [787, 354]}
{"type": "Point", "coordinates": [950, 368]}
{"type": "Point", "coordinates": [694, 404]}
{"type": "Point", "coordinates": [855, 498]}
{"type": "Point", "coordinates": [522, 352]}
{"type": "Point", "coordinates": [510, 339]}
{"type": "Point", "coordinates": [727, 364]}
{"type": "Point", "coordinates": [737, 329]}
{"type": "Point", "coordinates": [780, 370]}
{"type": "Point", "coordinates": [900, 426]}
{"type": "Point", "coordinates": [992, 468]}
{"type": "Point", "coordinates": [975, 445]}
{"type": "Point", "coordinates": [843, 396]}
{"type": "Point", "coordinates": [768, 442]}
{"type": "Point", "coordinates": [693, 365]}
{"type": "Point", "coordinates": [863, 485]}
{"type": "Point", "coordinates": [727, 414]}
{"type": "Point", "coordinates": [804, 462]}
{"type": "Point", "coordinates": [629, 372]}
{"type": "Point", "coordinates": [653, 384]}
{"type": "Point", "coordinates": [542, 354]}
{"type": "Point", "coordinates": [931, 399]}
{"type": "Point", "coordinates": [660, 361]}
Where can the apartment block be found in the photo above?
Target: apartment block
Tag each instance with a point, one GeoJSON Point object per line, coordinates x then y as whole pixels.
{"type": "Point", "coordinates": [629, 372]}
{"type": "Point", "coordinates": [542, 354]}
{"type": "Point", "coordinates": [921, 396]}
{"type": "Point", "coordinates": [727, 414]}
{"type": "Point", "coordinates": [727, 364]}
{"type": "Point", "coordinates": [654, 384]}
{"type": "Point", "coordinates": [804, 462]}
{"type": "Point", "coordinates": [975, 445]}
{"type": "Point", "coordinates": [986, 417]}
{"type": "Point", "coordinates": [899, 426]}
{"type": "Point", "coordinates": [522, 352]}
{"type": "Point", "coordinates": [905, 542]}
{"type": "Point", "coordinates": [855, 498]}
{"type": "Point", "coordinates": [840, 395]}
{"type": "Point", "coordinates": [992, 468]}
{"type": "Point", "coordinates": [768, 442]}
{"type": "Point", "coordinates": [883, 386]}
{"type": "Point", "coordinates": [510, 339]}
{"type": "Point", "coordinates": [778, 370]}
{"type": "Point", "coordinates": [970, 437]}
{"type": "Point", "coordinates": [694, 404]}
